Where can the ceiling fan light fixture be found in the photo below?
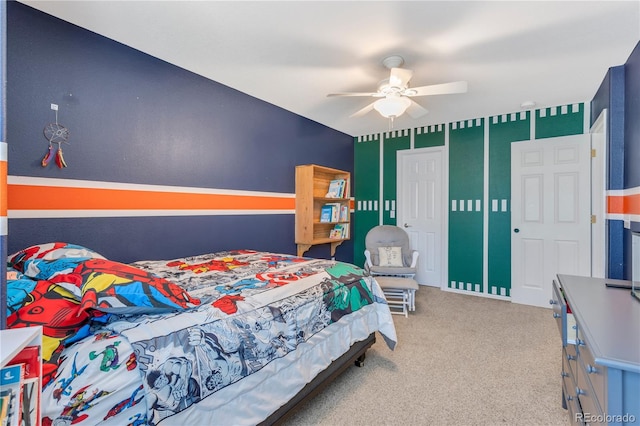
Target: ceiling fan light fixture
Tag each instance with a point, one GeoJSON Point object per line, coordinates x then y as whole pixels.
{"type": "Point", "coordinates": [392, 106]}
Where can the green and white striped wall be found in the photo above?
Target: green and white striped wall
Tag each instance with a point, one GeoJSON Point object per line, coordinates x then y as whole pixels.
{"type": "Point", "coordinates": [479, 179]}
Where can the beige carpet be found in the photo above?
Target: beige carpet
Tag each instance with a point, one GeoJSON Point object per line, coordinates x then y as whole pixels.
{"type": "Point", "coordinates": [460, 360]}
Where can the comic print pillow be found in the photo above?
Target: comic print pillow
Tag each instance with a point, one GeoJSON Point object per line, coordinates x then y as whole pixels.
{"type": "Point", "coordinates": [19, 288]}
{"type": "Point", "coordinates": [98, 283]}
{"type": "Point", "coordinates": [43, 261]}
{"type": "Point", "coordinates": [114, 287]}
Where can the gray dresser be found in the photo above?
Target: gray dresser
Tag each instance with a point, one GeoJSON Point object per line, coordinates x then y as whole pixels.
{"type": "Point", "coordinates": [601, 350]}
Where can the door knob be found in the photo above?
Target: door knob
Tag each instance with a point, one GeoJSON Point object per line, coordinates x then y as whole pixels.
{"type": "Point", "coordinates": [516, 230]}
{"type": "Point", "coordinates": [406, 225]}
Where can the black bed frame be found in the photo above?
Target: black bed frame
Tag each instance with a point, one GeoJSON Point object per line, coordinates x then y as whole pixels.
{"type": "Point", "coordinates": [356, 354]}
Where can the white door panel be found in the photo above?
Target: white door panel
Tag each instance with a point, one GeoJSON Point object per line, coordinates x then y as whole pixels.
{"type": "Point", "coordinates": [420, 182]}
{"type": "Point", "coordinates": [550, 217]}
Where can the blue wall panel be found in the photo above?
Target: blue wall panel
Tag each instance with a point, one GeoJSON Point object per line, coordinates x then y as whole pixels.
{"type": "Point", "coordinates": [632, 122]}
{"type": "Point", "coordinates": [620, 94]}
{"type": "Point", "coordinates": [134, 118]}
{"type": "Point", "coordinates": [632, 143]}
{"type": "Point", "coordinates": [130, 239]}
{"type": "Point", "coordinates": [610, 96]}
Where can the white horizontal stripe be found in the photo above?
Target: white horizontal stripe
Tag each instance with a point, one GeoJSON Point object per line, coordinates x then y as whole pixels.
{"type": "Point", "coordinates": [616, 216]}
{"type": "Point", "coordinates": [3, 151]}
{"type": "Point", "coordinates": [629, 217]}
{"type": "Point", "coordinates": [623, 192]}
{"type": "Point", "coordinates": [4, 227]}
{"type": "Point", "coordinates": [41, 214]}
{"type": "Point", "coordinates": [92, 184]}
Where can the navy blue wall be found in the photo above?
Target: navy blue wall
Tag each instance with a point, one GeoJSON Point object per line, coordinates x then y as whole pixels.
{"type": "Point", "coordinates": [632, 141]}
{"type": "Point", "coordinates": [632, 122]}
{"type": "Point", "coordinates": [610, 96]}
{"type": "Point", "coordinates": [136, 119]}
{"type": "Point", "coordinates": [620, 94]}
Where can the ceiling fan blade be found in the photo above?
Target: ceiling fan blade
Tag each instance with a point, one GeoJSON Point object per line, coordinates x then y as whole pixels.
{"type": "Point", "coordinates": [363, 111]}
{"type": "Point", "coordinates": [355, 94]}
{"type": "Point", "coordinates": [416, 110]}
{"type": "Point", "coordinates": [399, 77]}
{"type": "Point", "coordinates": [438, 89]}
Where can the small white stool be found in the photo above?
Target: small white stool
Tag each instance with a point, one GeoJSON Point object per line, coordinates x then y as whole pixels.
{"type": "Point", "coordinates": [400, 293]}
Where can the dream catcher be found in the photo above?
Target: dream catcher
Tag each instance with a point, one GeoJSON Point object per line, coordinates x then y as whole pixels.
{"type": "Point", "coordinates": [55, 134]}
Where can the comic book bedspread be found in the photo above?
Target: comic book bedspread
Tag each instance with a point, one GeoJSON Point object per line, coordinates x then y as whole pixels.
{"type": "Point", "coordinates": [255, 308]}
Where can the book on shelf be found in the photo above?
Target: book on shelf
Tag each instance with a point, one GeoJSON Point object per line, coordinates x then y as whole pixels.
{"type": "Point", "coordinates": [339, 232]}
{"type": "Point", "coordinates": [4, 408]}
{"type": "Point", "coordinates": [29, 358]}
{"type": "Point", "coordinates": [11, 394]}
{"type": "Point", "coordinates": [336, 188]}
{"type": "Point", "coordinates": [330, 212]}
{"type": "Point", "coordinates": [344, 213]}
{"type": "Point", "coordinates": [326, 213]}
{"type": "Point", "coordinates": [335, 211]}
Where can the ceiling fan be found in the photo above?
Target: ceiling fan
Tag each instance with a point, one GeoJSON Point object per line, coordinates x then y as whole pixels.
{"type": "Point", "coordinates": [395, 94]}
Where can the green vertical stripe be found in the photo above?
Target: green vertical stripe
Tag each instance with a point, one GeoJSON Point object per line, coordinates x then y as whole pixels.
{"type": "Point", "coordinates": [559, 121]}
{"type": "Point", "coordinates": [466, 177]}
{"type": "Point", "coordinates": [502, 131]}
{"type": "Point", "coordinates": [430, 136]}
{"type": "Point", "coordinates": [393, 142]}
{"type": "Point", "coordinates": [366, 186]}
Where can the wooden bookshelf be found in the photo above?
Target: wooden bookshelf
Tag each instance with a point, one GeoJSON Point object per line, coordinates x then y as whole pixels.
{"type": "Point", "coordinates": [312, 186]}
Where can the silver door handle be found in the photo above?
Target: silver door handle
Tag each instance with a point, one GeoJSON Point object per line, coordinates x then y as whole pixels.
{"type": "Point", "coordinates": [406, 225]}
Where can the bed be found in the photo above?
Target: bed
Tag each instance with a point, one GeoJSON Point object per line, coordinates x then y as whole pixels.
{"type": "Point", "coordinates": [235, 337]}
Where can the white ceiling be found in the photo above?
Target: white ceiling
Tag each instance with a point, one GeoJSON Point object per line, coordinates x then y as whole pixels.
{"type": "Point", "coordinates": [293, 53]}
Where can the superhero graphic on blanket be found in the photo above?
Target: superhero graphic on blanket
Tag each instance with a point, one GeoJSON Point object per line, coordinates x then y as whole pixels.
{"type": "Point", "coordinates": [171, 387]}
{"type": "Point", "coordinates": [191, 363]}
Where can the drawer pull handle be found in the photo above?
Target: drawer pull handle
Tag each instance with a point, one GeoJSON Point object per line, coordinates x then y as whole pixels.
{"type": "Point", "coordinates": [564, 374]}
{"type": "Point", "coordinates": [581, 342]}
{"type": "Point", "coordinates": [569, 398]}
{"type": "Point", "coordinates": [591, 369]}
{"type": "Point", "coordinates": [552, 302]}
{"type": "Point", "coordinates": [556, 315]}
{"type": "Point", "coordinates": [570, 357]}
{"type": "Point", "coordinates": [580, 391]}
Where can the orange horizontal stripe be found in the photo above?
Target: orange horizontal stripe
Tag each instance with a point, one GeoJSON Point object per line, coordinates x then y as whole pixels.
{"type": "Point", "coordinates": [34, 197]}
{"type": "Point", "coordinates": [632, 204]}
{"type": "Point", "coordinates": [3, 188]}
{"type": "Point", "coordinates": [623, 204]}
{"type": "Point", "coordinates": [615, 204]}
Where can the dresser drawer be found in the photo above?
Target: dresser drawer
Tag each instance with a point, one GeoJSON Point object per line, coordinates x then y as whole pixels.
{"type": "Point", "coordinates": [587, 397]}
{"type": "Point", "coordinates": [571, 403]}
{"type": "Point", "coordinates": [559, 307]}
{"type": "Point", "coordinates": [568, 372]}
{"type": "Point", "coordinates": [594, 375]}
{"type": "Point", "coordinates": [570, 361]}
